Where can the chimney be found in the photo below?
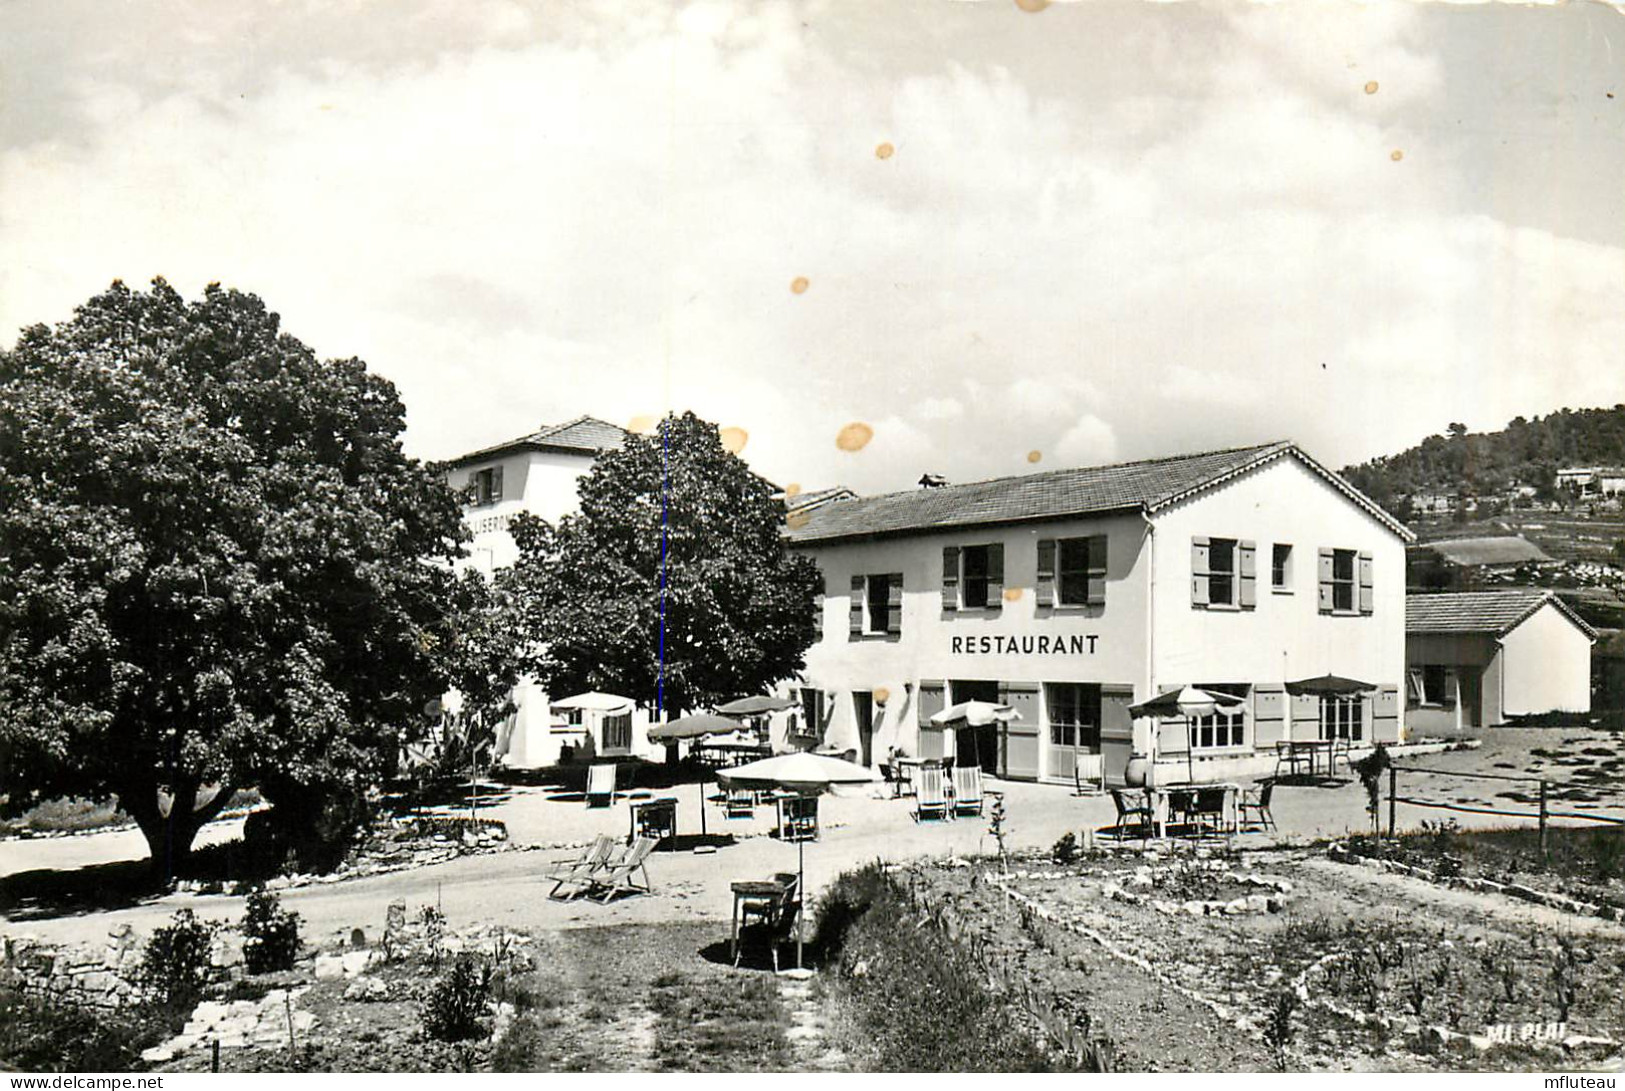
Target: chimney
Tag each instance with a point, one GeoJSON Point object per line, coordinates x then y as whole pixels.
{"type": "Point", "coordinates": [932, 481]}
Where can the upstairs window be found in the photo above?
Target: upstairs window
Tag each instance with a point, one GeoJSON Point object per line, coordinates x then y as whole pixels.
{"type": "Point", "coordinates": [1223, 573]}
{"type": "Point", "coordinates": [1221, 584]}
{"type": "Point", "coordinates": [1281, 567]}
{"type": "Point", "coordinates": [1346, 585]}
{"type": "Point", "coordinates": [876, 605]}
{"type": "Point", "coordinates": [1072, 571]}
{"type": "Point", "coordinates": [485, 486]}
{"type": "Point", "coordinates": [973, 577]}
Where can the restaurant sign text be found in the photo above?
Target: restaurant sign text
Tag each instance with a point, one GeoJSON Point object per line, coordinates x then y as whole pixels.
{"type": "Point", "coordinates": [999, 644]}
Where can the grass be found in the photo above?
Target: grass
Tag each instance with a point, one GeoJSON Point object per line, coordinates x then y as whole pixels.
{"type": "Point", "coordinates": [718, 1024]}
{"type": "Point", "coordinates": [1580, 854]}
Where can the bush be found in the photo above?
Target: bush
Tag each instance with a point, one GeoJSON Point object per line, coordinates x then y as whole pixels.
{"type": "Point", "coordinates": [38, 1035]}
{"type": "Point", "coordinates": [1065, 851]}
{"type": "Point", "coordinates": [456, 1006]}
{"type": "Point", "coordinates": [270, 934]}
{"type": "Point", "coordinates": [176, 965]}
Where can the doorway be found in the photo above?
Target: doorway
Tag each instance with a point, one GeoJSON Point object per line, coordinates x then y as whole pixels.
{"type": "Point", "coordinates": [976, 745]}
{"type": "Point", "coordinates": [863, 709]}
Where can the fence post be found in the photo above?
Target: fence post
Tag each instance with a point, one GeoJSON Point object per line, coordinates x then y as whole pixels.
{"type": "Point", "coordinates": [1543, 818]}
{"type": "Point", "coordinates": [1393, 783]}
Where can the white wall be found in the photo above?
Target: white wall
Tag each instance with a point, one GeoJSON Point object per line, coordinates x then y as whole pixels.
{"type": "Point", "coordinates": [1547, 665]}
{"type": "Point", "coordinates": [1284, 637]}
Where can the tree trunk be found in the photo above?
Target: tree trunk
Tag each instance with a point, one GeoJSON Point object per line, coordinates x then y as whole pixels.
{"type": "Point", "coordinates": [171, 830]}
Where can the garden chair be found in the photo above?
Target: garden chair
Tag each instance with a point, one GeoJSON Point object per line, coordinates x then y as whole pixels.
{"type": "Point", "coordinates": [930, 798]}
{"type": "Point", "coordinates": [1089, 774]}
{"type": "Point", "coordinates": [1256, 801]}
{"type": "Point", "coordinates": [967, 789]}
{"type": "Point", "coordinates": [617, 877]}
{"type": "Point", "coordinates": [775, 919]}
{"type": "Point", "coordinates": [739, 803]}
{"type": "Point", "coordinates": [578, 873]}
{"type": "Point", "coordinates": [1139, 813]}
{"type": "Point", "coordinates": [600, 785]}
{"type": "Point", "coordinates": [1183, 804]}
{"type": "Point", "coordinates": [798, 818]}
{"type": "Point", "coordinates": [1209, 810]}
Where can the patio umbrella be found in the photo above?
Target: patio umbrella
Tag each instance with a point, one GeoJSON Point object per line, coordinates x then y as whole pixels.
{"type": "Point", "coordinates": [811, 774]}
{"type": "Point", "coordinates": [1188, 702]}
{"type": "Point", "coordinates": [976, 714]}
{"type": "Point", "coordinates": [697, 726]}
{"type": "Point", "coordinates": [755, 706]}
{"type": "Point", "coordinates": [1328, 685]}
{"type": "Point", "coordinates": [595, 702]}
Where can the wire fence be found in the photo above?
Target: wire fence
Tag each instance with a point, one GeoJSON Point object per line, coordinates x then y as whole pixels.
{"type": "Point", "coordinates": [1543, 815]}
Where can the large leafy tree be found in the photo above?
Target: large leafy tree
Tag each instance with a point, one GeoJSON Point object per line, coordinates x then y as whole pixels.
{"type": "Point", "coordinates": [217, 567]}
{"type": "Point", "coordinates": [671, 584]}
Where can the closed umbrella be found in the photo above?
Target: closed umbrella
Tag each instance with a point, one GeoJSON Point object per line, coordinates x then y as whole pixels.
{"type": "Point", "coordinates": [1189, 702]}
{"type": "Point", "coordinates": [811, 774]}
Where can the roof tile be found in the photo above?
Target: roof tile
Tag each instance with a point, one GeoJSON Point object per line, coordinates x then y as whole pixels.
{"type": "Point", "coordinates": [1492, 612]}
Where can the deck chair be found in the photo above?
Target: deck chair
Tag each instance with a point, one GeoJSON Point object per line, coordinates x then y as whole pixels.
{"type": "Point", "coordinates": [930, 798]}
{"type": "Point", "coordinates": [1256, 802]}
{"type": "Point", "coordinates": [600, 785]}
{"type": "Point", "coordinates": [739, 803]}
{"type": "Point", "coordinates": [967, 789]}
{"type": "Point", "coordinates": [578, 873]}
{"type": "Point", "coordinates": [1089, 774]}
{"type": "Point", "coordinates": [617, 877]}
{"type": "Point", "coordinates": [1137, 814]}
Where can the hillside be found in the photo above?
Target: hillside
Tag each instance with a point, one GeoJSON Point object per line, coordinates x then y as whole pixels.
{"type": "Point", "coordinates": [1525, 452]}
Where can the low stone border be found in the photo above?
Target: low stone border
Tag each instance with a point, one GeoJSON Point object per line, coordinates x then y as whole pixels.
{"type": "Point", "coordinates": [1551, 900]}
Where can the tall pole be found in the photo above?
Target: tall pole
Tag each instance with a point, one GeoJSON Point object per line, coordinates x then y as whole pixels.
{"type": "Point", "coordinates": [801, 892]}
{"type": "Point", "coordinates": [1393, 782]}
{"type": "Point", "coordinates": [1543, 818]}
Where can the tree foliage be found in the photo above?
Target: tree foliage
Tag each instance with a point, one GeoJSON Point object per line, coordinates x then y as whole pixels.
{"type": "Point", "coordinates": [212, 563]}
{"type": "Point", "coordinates": [738, 607]}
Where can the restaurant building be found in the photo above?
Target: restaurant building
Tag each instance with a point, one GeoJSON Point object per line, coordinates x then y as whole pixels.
{"type": "Point", "coordinates": [1074, 594]}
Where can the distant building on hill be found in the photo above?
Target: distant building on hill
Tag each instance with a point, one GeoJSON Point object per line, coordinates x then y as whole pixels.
{"type": "Point", "coordinates": [1589, 481]}
{"type": "Point", "coordinates": [1455, 564]}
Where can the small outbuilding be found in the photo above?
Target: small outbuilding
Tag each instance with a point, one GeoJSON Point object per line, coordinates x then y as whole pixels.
{"type": "Point", "coordinates": [1479, 658]}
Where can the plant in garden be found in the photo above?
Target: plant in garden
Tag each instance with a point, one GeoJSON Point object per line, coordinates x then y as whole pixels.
{"type": "Point", "coordinates": [1278, 1029]}
{"type": "Point", "coordinates": [672, 581]}
{"type": "Point", "coordinates": [176, 964]}
{"type": "Point", "coordinates": [1370, 769]}
{"type": "Point", "coordinates": [270, 934]}
{"type": "Point", "coordinates": [996, 827]}
{"type": "Point", "coordinates": [1565, 977]}
{"type": "Point", "coordinates": [214, 569]}
{"type": "Point", "coordinates": [434, 931]}
{"type": "Point", "coordinates": [457, 1004]}
{"type": "Point", "coordinates": [1065, 850]}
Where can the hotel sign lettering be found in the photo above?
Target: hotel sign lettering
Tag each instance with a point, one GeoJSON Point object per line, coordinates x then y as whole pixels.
{"type": "Point", "coordinates": [999, 644]}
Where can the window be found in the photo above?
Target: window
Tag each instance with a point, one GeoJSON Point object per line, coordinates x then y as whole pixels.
{"type": "Point", "coordinates": [1431, 686]}
{"type": "Point", "coordinates": [618, 731]}
{"type": "Point", "coordinates": [485, 486]}
{"type": "Point", "coordinates": [1342, 717]}
{"type": "Point", "coordinates": [575, 717]}
{"type": "Point", "coordinates": [876, 606]}
{"type": "Point", "coordinates": [1281, 567]}
{"type": "Point", "coordinates": [1345, 582]}
{"type": "Point", "coordinates": [973, 577]}
{"type": "Point", "coordinates": [810, 722]}
{"type": "Point", "coordinates": [1222, 573]}
{"type": "Point", "coordinates": [1227, 727]}
{"type": "Point", "coordinates": [1221, 585]}
{"type": "Point", "coordinates": [1074, 715]}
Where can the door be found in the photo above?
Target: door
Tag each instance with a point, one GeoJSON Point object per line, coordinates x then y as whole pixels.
{"type": "Point", "coordinates": [976, 745]}
{"type": "Point", "coordinates": [863, 709]}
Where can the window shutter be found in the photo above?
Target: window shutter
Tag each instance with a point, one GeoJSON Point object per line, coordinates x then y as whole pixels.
{"type": "Point", "coordinates": [1325, 602]}
{"type": "Point", "coordinates": [859, 587]}
{"type": "Point", "coordinates": [1249, 574]}
{"type": "Point", "coordinates": [472, 489]}
{"type": "Point", "coordinates": [1367, 598]}
{"type": "Point", "coordinates": [950, 577]}
{"type": "Point", "coordinates": [995, 576]}
{"type": "Point", "coordinates": [1045, 590]}
{"type": "Point", "coordinates": [1199, 571]}
{"type": "Point", "coordinates": [496, 484]}
{"type": "Point", "coordinates": [1448, 698]}
{"type": "Point", "coordinates": [1097, 570]}
{"type": "Point", "coordinates": [894, 603]}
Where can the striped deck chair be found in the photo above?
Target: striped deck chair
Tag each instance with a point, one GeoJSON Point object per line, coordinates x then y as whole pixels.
{"type": "Point", "coordinates": [578, 873]}
{"type": "Point", "coordinates": [600, 785]}
{"type": "Point", "coordinates": [930, 798]}
{"type": "Point", "coordinates": [967, 789]}
{"type": "Point", "coordinates": [617, 876]}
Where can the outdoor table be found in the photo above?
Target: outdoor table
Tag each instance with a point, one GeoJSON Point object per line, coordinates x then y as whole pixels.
{"type": "Point", "coordinates": [1157, 799]}
{"type": "Point", "coordinates": [761, 897]}
{"type": "Point", "coordinates": [1293, 750]}
{"type": "Point", "coordinates": [655, 818]}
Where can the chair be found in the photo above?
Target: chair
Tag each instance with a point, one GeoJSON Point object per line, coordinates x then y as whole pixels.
{"type": "Point", "coordinates": [776, 918]}
{"type": "Point", "coordinates": [1089, 774]}
{"type": "Point", "coordinates": [1256, 801]}
{"type": "Point", "coordinates": [616, 877]}
{"type": "Point", "coordinates": [600, 785]}
{"type": "Point", "coordinates": [930, 798]}
{"type": "Point", "coordinates": [1287, 753]}
{"type": "Point", "coordinates": [1139, 812]}
{"type": "Point", "coordinates": [1342, 747]}
{"type": "Point", "coordinates": [967, 789]}
{"type": "Point", "coordinates": [799, 818]}
{"type": "Point", "coordinates": [1209, 812]}
{"type": "Point", "coordinates": [579, 872]}
{"type": "Point", "coordinates": [739, 803]}
{"type": "Point", "coordinates": [1182, 803]}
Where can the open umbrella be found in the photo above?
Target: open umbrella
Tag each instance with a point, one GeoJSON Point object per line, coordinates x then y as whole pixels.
{"type": "Point", "coordinates": [810, 774]}
{"type": "Point", "coordinates": [697, 726]}
{"type": "Point", "coordinates": [1188, 702]}
{"type": "Point", "coordinates": [595, 702]}
{"type": "Point", "coordinates": [755, 706]}
{"type": "Point", "coordinates": [1328, 685]}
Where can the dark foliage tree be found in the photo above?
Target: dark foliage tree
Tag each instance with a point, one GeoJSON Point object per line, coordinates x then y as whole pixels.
{"type": "Point", "coordinates": [738, 607]}
{"type": "Point", "coordinates": [216, 567]}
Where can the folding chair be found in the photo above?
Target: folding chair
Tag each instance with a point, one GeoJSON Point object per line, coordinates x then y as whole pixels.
{"type": "Point", "coordinates": [579, 872]}
{"type": "Point", "coordinates": [930, 798]}
{"type": "Point", "coordinates": [1089, 774]}
{"type": "Point", "coordinates": [617, 876]}
{"type": "Point", "coordinates": [600, 785]}
{"type": "Point", "coordinates": [967, 790]}
{"type": "Point", "coordinates": [1256, 801]}
{"type": "Point", "coordinates": [739, 803]}
{"type": "Point", "coordinates": [1139, 812]}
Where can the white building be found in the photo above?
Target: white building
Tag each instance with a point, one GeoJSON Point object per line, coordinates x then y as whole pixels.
{"type": "Point", "coordinates": [1073, 594]}
{"type": "Point", "coordinates": [537, 473]}
{"type": "Point", "coordinates": [1477, 658]}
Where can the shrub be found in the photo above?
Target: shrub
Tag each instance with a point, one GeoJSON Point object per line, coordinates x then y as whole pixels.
{"type": "Point", "coordinates": [271, 934]}
{"type": "Point", "coordinates": [39, 1035]}
{"type": "Point", "coordinates": [1278, 1030]}
{"type": "Point", "coordinates": [1065, 851]}
{"type": "Point", "coordinates": [456, 1006]}
{"type": "Point", "coordinates": [176, 964]}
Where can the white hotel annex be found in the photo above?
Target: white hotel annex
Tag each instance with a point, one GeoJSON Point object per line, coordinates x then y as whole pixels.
{"type": "Point", "coordinates": [1072, 594]}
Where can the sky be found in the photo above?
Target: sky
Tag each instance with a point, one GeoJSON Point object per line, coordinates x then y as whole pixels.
{"type": "Point", "coordinates": [1005, 240]}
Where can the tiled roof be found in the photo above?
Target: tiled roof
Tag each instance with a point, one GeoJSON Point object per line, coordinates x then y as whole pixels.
{"type": "Point", "coordinates": [805, 501]}
{"type": "Point", "coordinates": [1508, 549]}
{"type": "Point", "coordinates": [1492, 612]}
{"type": "Point", "coordinates": [588, 435]}
{"type": "Point", "coordinates": [1056, 494]}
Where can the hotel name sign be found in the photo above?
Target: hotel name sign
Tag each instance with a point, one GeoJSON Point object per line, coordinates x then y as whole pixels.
{"type": "Point", "coordinates": [999, 644]}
